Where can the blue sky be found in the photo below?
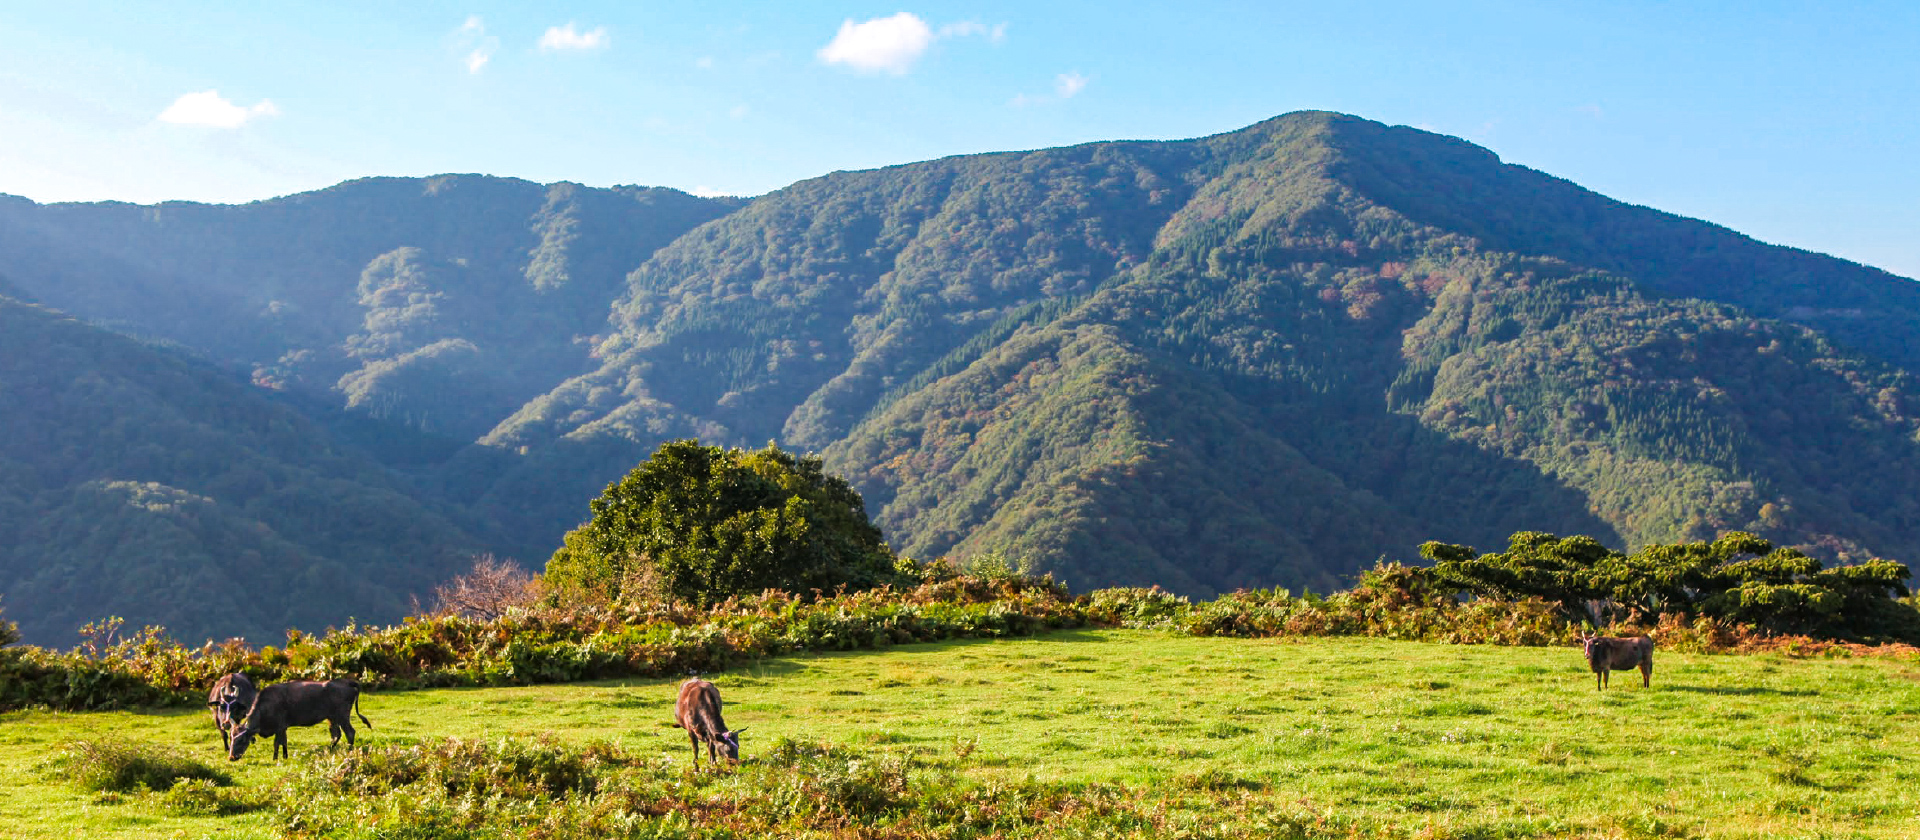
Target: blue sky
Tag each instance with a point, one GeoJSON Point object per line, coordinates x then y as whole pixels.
{"type": "Point", "coordinates": [1796, 123]}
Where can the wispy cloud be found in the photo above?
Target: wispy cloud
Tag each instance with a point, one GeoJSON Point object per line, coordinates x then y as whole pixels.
{"type": "Point", "coordinates": [472, 39]}
{"type": "Point", "coordinates": [1065, 86]}
{"type": "Point", "coordinates": [209, 108]}
{"type": "Point", "coordinates": [570, 37]}
{"type": "Point", "coordinates": [1592, 110]}
{"type": "Point", "coordinates": [994, 34]}
{"type": "Point", "coordinates": [889, 44]}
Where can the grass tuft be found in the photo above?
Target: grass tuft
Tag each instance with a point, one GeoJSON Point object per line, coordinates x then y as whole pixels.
{"type": "Point", "coordinates": [123, 767]}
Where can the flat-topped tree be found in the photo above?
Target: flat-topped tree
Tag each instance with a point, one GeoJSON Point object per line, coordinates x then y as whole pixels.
{"type": "Point", "coordinates": [702, 523]}
{"type": "Point", "coordinates": [1738, 577]}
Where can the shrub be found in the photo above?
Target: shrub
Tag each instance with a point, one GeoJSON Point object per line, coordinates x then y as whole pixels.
{"type": "Point", "coordinates": [126, 767]}
{"type": "Point", "coordinates": [206, 798]}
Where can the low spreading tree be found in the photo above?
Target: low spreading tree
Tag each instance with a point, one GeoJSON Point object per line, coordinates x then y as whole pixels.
{"type": "Point", "coordinates": [1738, 577]}
{"type": "Point", "coordinates": [702, 523]}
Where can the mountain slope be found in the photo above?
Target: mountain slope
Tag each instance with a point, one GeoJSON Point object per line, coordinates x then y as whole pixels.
{"type": "Point", "coordinates": [1302, 303]}
{"type": "Point", "coordinates": [139, 483]}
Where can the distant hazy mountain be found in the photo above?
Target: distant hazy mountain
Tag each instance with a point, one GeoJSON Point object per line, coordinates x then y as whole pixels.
{"type": "Point", "coordinates": [1264, 357]}
{"type": "Point", "coordinates": [442, 303]}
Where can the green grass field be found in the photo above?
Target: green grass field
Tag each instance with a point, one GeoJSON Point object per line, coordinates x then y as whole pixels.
{"type": "Point", "coordinates": [1461, 741]}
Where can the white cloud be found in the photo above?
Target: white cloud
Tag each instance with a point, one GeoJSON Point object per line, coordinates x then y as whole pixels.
{"type": "Point", "coordinates": [1068, 84]}
{"type": "Point", "coordinates": [569, 38]}
{"type": "Point", "coordinates": [472, 39]}
{"type": "Point", "coordinates": [208, 107]}
{"type": "Point", "coordinates": [704, 191]}
{"type": "Point", "coordinates": [889, 44]}
{"type": "Point", "coordinates": [1592, 110]}
{"type": "Point", "coordinates": [738, 112]}
{"type": "Point", "coordinates": [704, 62]}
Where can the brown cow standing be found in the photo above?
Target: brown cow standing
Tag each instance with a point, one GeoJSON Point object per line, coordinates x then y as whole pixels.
{"type": "Point", "coordinates": [1606, 653]}
{"type": "Point", "coordinates": [698, 712]}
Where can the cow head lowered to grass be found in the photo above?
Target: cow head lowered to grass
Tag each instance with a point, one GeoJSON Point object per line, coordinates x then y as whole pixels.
{"type": "Point", "coordinates": [288, 704]}
{"type": "Point", "coordinates": [229, 701]}
{"type": "Point", "coordinates": [698, 711]}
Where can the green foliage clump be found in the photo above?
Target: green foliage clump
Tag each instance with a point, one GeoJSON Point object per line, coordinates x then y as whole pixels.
{"type": "Point", "coordinates": [9, 631]}
{"type": "Point", "coordinates": [1738, 578]}
{"type": "Point", "coordinates": [702, 523]}
{"type": "Point", "coordinates": [125, 766]}
{"type": "Point", "coordinates": [208, 798]}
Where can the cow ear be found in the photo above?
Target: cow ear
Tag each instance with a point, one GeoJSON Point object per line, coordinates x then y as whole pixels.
{"type": "Point", "coordinates": [738, 731]}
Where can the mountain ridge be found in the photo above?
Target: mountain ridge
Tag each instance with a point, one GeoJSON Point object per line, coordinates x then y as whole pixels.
{"type": "Point", "coordinates": [1261, 357]}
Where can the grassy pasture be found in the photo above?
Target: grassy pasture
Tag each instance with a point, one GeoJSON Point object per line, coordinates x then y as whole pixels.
{"type": "Point", "coordinates": [1451, 740]}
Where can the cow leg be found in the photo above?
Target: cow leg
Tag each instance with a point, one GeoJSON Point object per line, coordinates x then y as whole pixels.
{"type": "Point", "coordinates": [696, 748]}
{"type": "Point", "coordinates": [280, 747]}
{"type": "Point", "coordinates": [333, 728]}
{"type": "Point", "coordinates": [345, 725]}
{"type": "Point", "coordinates": [1646, 674]}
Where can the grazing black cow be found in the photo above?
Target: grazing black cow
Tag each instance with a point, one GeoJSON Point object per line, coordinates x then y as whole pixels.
{"type": "Point", "coordinates": [1606, 653]}
{"type": "Point", "coordinates": [229, 700]}
{"type": "Point", "coordinates": [698, 712]}
{"type": "Point", "coordinates": [286, 704]}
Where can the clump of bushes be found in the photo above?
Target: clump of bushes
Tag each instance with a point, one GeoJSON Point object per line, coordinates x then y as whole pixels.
{"type": "Point", "coordinates": [548, 643]}
{"type": "Point", "coordinates": [125, 767]}
{"type": "Point", "coordinates": [1389, 601]}
{"type": "Point", "coordinates": [454, 788]}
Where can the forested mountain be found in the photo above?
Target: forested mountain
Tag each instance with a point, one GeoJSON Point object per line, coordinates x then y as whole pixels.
{"type": "Point", "coordinates": [138, 482]}
{"type": "Point", "coordinates": [1263, 357]}
{"type": "Point", "coordinates": [1269, 356]}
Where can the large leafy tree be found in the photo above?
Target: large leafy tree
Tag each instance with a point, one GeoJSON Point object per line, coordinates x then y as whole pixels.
{"type": "Point", "coordinates": [704, 523]}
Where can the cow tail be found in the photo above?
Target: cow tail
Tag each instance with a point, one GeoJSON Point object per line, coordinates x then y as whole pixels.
{"type": "Point", "coordinates": [356, 711]}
